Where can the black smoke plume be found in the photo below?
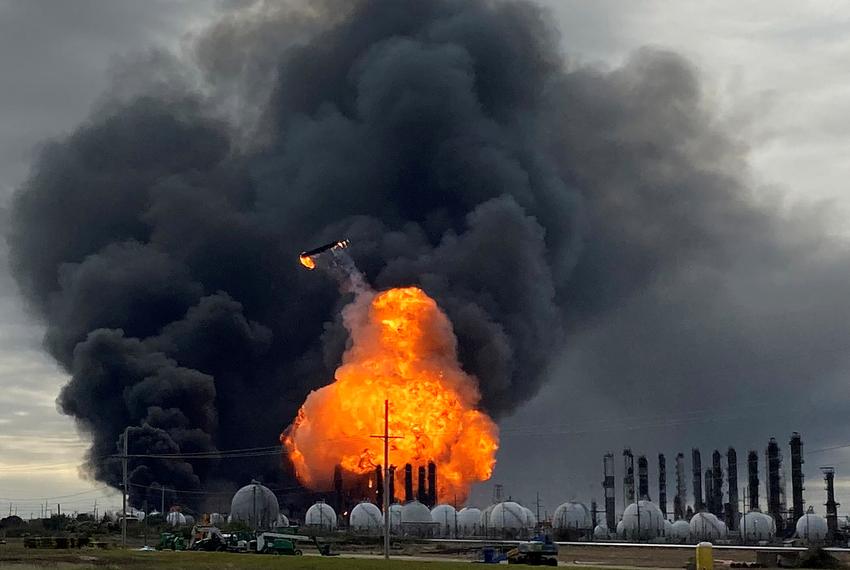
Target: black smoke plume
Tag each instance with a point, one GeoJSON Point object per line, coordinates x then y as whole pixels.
{"type": "Point", "coordinates": [448, 140]}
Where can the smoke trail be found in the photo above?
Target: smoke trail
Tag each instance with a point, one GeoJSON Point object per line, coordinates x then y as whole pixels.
{"type": "Point", "coordinates": [446, 139]}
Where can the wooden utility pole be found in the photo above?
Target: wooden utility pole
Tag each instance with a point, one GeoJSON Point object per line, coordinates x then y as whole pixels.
{"type": "Point", "coordinates": [387, 437]}
{"type": "Point", "coordinates": [124, 495]}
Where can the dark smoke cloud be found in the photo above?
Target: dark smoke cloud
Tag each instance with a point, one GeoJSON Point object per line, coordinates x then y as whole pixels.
{"type": "Point", "coordinates": [540, 205]}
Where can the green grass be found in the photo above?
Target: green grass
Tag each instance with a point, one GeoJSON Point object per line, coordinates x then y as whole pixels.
{"type": "Point", "coordinates": [79, 559]}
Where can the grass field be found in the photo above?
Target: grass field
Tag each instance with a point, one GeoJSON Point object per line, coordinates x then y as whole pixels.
{"type": "Point", "coordinates": [15, 556]}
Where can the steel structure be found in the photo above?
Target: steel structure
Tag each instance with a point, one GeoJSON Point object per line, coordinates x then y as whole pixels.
{"type": "Point", "coordinates": [797, 475]}
{"type": "Point", "coordinates": [608, 488]}
{"type": "Point", "coordinates": [696, 462]}
{"type": "Point", "coordinates": [681, 500]}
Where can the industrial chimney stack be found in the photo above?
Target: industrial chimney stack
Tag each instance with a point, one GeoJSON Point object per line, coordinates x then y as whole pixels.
{"type": "Point", "coordinates": [608, 488]}
{"type": "Point", "coordinates": [831, 505]}
{"type": "Point", "coordinates": [732, 482]}
{"type": "Point", "coordinates": [681, 489]}
{"type": "Point", "coordinates": [408, 482]}
{"type": "Point", "coordinates": [392, 485]}
{"type": "Point", "coordinates": [716, 485]}
{"type": "Point", "coordinates": [662, 484]}
{"type": "Point", "coordinates": [697, 471]}
{"type": "Point", "coordinates": [643, 478]}
{"type": "Point", "coordinates": [753, 479]}
{"type": "Point", "coordinates": [432, 483]}
{"type": "Point", "coordinates": [422, 492]}
{"type": "Point", "coordinates": [775, 493]}
{"type": "Point", "coordinates": [797, 474]}
{"type": "Point", "coordinates": [629, 478]}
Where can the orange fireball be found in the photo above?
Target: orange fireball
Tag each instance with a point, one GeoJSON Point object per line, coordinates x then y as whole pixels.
{"type": "Point", "coordinates": [402, 349]}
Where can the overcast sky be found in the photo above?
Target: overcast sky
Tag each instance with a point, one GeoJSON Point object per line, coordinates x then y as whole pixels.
{"type": "Point", "coordinates": [778, 77]}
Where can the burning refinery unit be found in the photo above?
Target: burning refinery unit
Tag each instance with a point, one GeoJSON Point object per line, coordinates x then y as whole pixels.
{"type": "Point", "coordinates": [402, 353]}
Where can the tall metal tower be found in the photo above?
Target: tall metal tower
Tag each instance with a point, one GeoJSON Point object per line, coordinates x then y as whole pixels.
{"type": "Point", "coordinates": [643, 478]}
{"type": "Point", "coordinates": [753, 479]}
{"type": "Point", "coordinates": [732, 483]}
{"type": "Point", "coordinates": [662, 484]}
{"type": "Point", "coordinates": [775, 492]}
{"type": "Point", "coordinates": [608, 488]}
{"type": "Point", "coordinates": [797, 474]}
{"type": "Point", "coordinates": [681, 488]}
{"type": "Point", "coordinates": [716, 485]}
{"type": "Point", "coordinates": [697, 471]}
{"type": "Point", "coordinates": [831, 505]}
{"type": "Point", "coordinates": [628, 478]}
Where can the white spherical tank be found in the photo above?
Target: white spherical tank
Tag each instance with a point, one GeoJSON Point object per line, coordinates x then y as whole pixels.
{"type": "Point", "coordinates": [757, 526]}
{"type": "Point", "coordinates": [282, 520]}
{"type": "Point", "coordinates": [446, 518]}
{"type": "Point", "coordinates": [484, 522]}
{"type": "Point", "coordinates": [255, 505]}
{"type": "Point", "coordinates": [415, 512]}
{"type": "Point", "coordinates": [469, 521]}
{"type": "Point", "coordinates": [217, 519]}
{"type": "Point", "coordinates": [812, 527]}
{"type": "Point", "coordinates": [668, 529]}
{"type": "Point", "coordinates": [707, 527]}
{"type": "Point", "coordinates": [175, 518]}
{"type": "Point", "coordinates": [530, 519]}
{"type": "Point", "coordinates": [321, 516]}
{"type": "Point", "coordinates": [680, 530]}
{"type": "Point", "coordinates": [395, 517]}
{"type": "Point", "coordinates": [572, 516]}
{"type": "Point", "coordinates": [643, 521]}
{"type": "Point", "coordinates": [509, 516]}
{"type": "Point", "coordinates": [621, 529]}
{"type": "Point", "coordinates": [366, 518]}
{"type": "Point", "coordinates": [601, 532]}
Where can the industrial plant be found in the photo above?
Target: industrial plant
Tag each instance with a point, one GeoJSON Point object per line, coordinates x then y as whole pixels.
{"type": "Point", "coordinates": [712, 510]}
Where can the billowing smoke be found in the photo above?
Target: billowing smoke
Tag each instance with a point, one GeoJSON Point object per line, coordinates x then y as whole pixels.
{"type": "Point", "coordinates": [448, 140]}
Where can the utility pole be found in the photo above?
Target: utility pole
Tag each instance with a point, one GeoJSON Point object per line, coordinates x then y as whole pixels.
{"type": "Point", "coordinates": [124, 494]}
{"type": "Point", "coordinates": [387, 437]}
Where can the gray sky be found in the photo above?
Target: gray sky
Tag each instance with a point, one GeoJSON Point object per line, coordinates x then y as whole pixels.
{"type": "Point", "coordinates": [776, 76]}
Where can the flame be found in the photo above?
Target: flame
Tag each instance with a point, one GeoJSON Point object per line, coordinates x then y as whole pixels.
{"type": "Point", "coordinates": [307, 261]}
{"type": "Point", "coordinates": [403, 350]}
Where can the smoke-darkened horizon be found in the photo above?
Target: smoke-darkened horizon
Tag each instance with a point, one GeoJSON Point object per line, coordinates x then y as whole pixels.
{"type": "Point", "coordinates": [543, 207]}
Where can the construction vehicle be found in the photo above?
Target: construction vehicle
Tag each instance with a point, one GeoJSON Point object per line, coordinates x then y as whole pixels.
{"type": "Point", "coordinates": [280, 543]}
{"type": "Point", "coordinates": [171, 541]}
{"type": "Point", "coordinates": [539, 551]}
{"type": "Point", "coordinates": [210, 539]}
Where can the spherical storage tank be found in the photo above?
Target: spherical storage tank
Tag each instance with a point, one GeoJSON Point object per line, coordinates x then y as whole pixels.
{"type": "Point", "coordinates": [600, 532]}
{"type": "Point", "coordinates": [415, 512]}
{"type": "Point", "coordinates": [706, 526]}
{"type": "Point", "coordinates": [812, 527]}
{"type": "Point", "coordinates": [282, 520]}
{"type": "Point", "coordinates": [366, 517]}
{"type": "Point", "coordinates": [642, 521]}
{"type": "Point", "coordinates": [469, 521]}
{"type": "Point", "coordinates": [668, 529]}
{"type": "Point", "coordinates": [508, 516]}
{"type": "Point", "coordinates": [757, 526]}
{"type": "Point", "coordinates": [573, 516]}
{"type": "Point", "coordinates": [254, 505]}
{"type": "Point", "coordinates": [680, 531]}
{"type": "Point", "coordinates": [321, 516]}
{"type": "Point", "coordinates": [395, 517]}
{"type": "Point", "coordinates": [175, 518]}
{"type": "Point", "coordinates": [446, 518]}
{"type": "Point", "coordinates": [621, 529]}
{"type": "Point", "coordinates": [530, 519]}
